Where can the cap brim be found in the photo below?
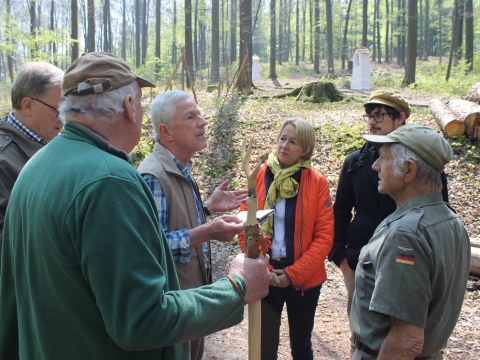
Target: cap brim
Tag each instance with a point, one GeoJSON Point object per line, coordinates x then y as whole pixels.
{"type": "Point", "coordinates": [144, 83]}
{"type": "Point", "coordinates": [380, 139]}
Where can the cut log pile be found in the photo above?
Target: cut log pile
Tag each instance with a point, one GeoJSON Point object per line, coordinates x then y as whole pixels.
{"type": "Point", "coordinates": [457, 117]}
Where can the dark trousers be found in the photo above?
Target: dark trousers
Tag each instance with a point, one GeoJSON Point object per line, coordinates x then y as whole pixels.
{"type": "Point", "coordinates": [196, 349]}
{"type": "Point", "coordinates": [301, 315]}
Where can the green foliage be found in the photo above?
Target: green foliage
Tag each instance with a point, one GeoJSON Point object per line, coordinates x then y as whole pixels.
{"type": "Point", "coordinates": [343, 138]}
{"type": "Point", "coordinates": [139, 152]}
{"type": "Point", "coordinates": [430, 77]}
{"type": "Point", "coordinates": [224, 166]}
{"type": "Point", "coordinates": [467, 152]}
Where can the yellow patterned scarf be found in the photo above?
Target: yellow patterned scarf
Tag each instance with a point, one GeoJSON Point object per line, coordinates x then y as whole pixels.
{"type": "Point", "coordinates": [282, 187]}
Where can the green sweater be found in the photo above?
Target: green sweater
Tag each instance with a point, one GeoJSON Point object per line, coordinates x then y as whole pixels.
{"type": "Point", "coordinates": [86, 270]}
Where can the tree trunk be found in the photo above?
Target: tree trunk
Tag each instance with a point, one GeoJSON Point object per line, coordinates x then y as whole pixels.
{"type": "Point", "coordinates": [138, 33]}
{"type": "Point", "coordinates": [365, 23]}
{"type": "Point", "coordinates": [426, 47]}
{"type": "Point", "coordinates": [215, 64]}
{"type": "Point", "coordinates": [328, 10]}
{"type": "Point", "coordinates": [345, 33]}
{"type": "Point", "coordinates": [144, 20]}
{"type": "Point", "coordinates": [189, 43]}
{"type": "Point", "coordinates": [467, 111]}
{"type": "Point", "coordinates": [91, 26]}
{"type": "Point", "coordinates": [280, 33]}
{"type": "Point", "coordinates": [387, 29]}
{"type": "Point", "coordinates": [273, 41]}
{"type": "Point", "coordinates": [158, 18]}
{"type": "Point", "coordinates": [458, 38]}
{"type": "Point", "coordinates": [245, 75]}
{"type": "Point", "coordinates": [377, 25]}
{"type": "Point", "coordinates": [53, 49]}
{"type": "Point", "coordinates": [316, 60]}
{"type": "Point", "coordinates": [452, 47]}
{"type": "Point", "coordinates": [174, 33]}
{"type": "Point", "coordinates": [440, 46]}
{"type": "Point", "coordinates": [469, 35]}
{"type": "Point", "coordinates": [297, 33]}
{"type": "Point", "coordinates": [233, 31]}
{"type": "Point", "coordinates": [410, 65]}
{"type": "Point", "coordinates": [33, 27]}
{"type": "Point", "coordinates": [449, 122]}
{"type": "Point", "coordinates": [75, 51]}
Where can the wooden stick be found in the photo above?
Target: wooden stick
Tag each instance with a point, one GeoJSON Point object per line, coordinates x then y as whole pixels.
{"type": "Point", "coordinates": [252, 233]}
{"type": "Point", "coordinates": [169, 84]}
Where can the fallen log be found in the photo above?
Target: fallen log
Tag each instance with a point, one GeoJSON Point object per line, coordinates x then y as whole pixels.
{"type": "Point", "coordinates": [449, 122]}
{"type": "Point", "coordinates": [475, 261]}
{"type": "Point", "coordinates": [469, 112]}
{"type": "Point", "coordinates": [475, 242]}
{"type": "Point", "coordinates": [474, 93]}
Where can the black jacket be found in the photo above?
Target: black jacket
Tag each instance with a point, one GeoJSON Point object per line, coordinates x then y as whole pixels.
{"type": "Point", "coordinates": [358, 191]}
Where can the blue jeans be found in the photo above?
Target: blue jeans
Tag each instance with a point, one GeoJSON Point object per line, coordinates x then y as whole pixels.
{"type": "Point", "coordinates": [301, 315]}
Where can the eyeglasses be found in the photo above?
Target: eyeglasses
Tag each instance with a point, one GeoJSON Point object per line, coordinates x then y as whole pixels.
{"type": "Point", "coordinates": [378, 117]}
{"type": "Point", "coordinates": [50, 106]}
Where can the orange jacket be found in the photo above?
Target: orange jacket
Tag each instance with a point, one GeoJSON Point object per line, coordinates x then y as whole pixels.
{"type": "Point", "coordinates": [313, 234]}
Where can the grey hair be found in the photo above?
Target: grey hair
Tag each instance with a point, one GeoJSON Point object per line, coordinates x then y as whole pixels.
{"type": "Point", "coordinates": [163, 108]}
{"type": "Point", "coordinates": [99, 107]}
{"type": "Point", "coordinates": [33, 80]}
{"type": "Point", "coordinates": [426, 172]}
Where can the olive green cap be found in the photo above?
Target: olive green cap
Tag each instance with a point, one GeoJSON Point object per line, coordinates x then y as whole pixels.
{"type": "Point", "coordinates": [389, 98]}
{"type": "Point", "coordinates": [429, 145]}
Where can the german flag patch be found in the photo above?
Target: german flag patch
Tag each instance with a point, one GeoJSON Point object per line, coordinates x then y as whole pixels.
{"type": "Point", "coordinates": [405, 257]}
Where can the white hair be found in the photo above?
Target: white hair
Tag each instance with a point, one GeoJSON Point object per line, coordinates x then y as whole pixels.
{"type": "Point", "coordinates": [425, 172]}
{"type": "Point", "coordinates": [99, 107]}
{"type": "Point", "coordinates": [163, 108]}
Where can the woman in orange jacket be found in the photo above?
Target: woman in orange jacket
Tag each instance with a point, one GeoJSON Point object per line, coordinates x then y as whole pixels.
{"type": "Point", "coordinates": [302, 235]}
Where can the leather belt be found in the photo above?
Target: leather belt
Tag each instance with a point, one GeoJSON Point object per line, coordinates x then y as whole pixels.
{"type": "Point", "coordinates": [279, 263]}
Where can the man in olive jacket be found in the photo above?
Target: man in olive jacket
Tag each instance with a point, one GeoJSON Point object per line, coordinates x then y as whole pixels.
{"type": "Point", "coordinates": [33, 122]}
{"type": "Point", "coordinates": [86, 270]}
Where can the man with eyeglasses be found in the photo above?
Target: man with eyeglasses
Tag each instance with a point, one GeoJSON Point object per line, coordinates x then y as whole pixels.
{"type": "Point", "coordinates": [358, 188]}
{"type": "Point", "coordinates": [33, 122]}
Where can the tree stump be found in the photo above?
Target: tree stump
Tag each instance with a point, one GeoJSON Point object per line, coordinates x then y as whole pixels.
{"type": "Point", "coordinates": [469, 112]}
{"type": "Point", "coordinates": [474, 93]}
{"type": "Point", "coordinates": [449, 122]}
{"type": "Point", "coordinates": [318, 92]}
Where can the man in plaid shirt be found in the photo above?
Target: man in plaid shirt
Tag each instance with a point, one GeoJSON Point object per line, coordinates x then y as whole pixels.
{"type": "Point", "coordinates": [180, 134]}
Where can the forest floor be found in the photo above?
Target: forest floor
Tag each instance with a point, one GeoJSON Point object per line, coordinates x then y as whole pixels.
{"type": "Point", "coordinates": [339, 130]}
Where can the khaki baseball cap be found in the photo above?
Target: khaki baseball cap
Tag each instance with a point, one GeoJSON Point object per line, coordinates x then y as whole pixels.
{"type": "Point", "coordinates": [103, 71]}
{"type": "Point", "coordinates": [389, 98]}
{"type": "Point", "coordinates": [423, 141]}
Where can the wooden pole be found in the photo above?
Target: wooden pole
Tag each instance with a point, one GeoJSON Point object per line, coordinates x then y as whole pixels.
{"type": "Point", "coordinates": [252, 234]}
{"type": "Point", "coordinates": [169, 84]}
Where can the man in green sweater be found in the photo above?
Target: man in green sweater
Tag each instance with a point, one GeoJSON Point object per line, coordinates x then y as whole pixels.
{"type": "Point", "coordinates": [86, 270]}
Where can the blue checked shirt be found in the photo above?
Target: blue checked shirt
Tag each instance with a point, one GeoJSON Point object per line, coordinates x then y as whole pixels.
{"type": "Point", "coordinates": [178, 240]}
{"type": "Point", "coordinates": [29, 134]}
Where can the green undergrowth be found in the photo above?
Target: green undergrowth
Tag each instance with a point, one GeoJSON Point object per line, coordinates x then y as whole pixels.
{"type": "Point", "coordinates": [343, 138]}
{"type": "Point", "coordinates": [469, 154]}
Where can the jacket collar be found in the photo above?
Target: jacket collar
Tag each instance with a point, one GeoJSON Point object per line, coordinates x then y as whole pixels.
{"type": "Point", "coordinates": [94, 138]}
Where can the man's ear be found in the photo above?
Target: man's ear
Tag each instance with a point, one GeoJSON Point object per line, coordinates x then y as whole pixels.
{"type": "Point", "coordinates": [164, 132]}
{"type": "Point", "coordinates": [26, 105]}
{"type": "Point", "coordinates": [129, 106]}
{"type": "Point", "coordinates": [410, 171]}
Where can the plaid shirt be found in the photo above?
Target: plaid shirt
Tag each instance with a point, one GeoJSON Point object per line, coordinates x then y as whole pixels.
{"type": "Point", "coordinates": [29, 134]}
{"type": "Point", "coordinates": [179, 240]}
